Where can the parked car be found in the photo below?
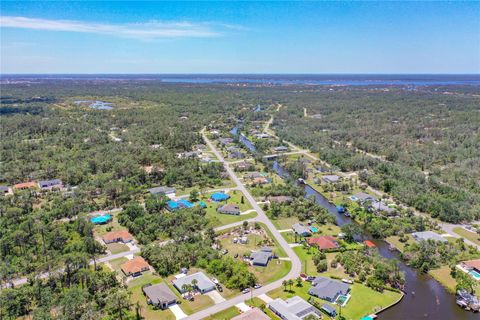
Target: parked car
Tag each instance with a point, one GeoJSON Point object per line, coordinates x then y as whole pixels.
{"type": "Point", "coordinates": [257, 286]}
{"type": "Point", "coordinates": [303, 276]}
{"type": "Point", "coordinates": [245, 290]}
{"type": "Point", "coordinates": [310, 278]}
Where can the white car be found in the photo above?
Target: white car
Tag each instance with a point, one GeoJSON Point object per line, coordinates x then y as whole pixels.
{"type": "Point", "coordinates": [347, 281]}
{"type": "Point", "coordinates": [257, 286]}
{"type": "Point", "coordinates": [245, 290]}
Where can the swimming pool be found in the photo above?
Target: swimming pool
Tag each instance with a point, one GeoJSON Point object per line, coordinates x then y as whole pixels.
{"type": "Point", "coordinates": [474, 274]}
{"type": "Point", "coordinates": [314, 229]}
{"type": "Point", "coordinates": [101, 219]}
{"type": "Point", "coordinates": [342, 300]}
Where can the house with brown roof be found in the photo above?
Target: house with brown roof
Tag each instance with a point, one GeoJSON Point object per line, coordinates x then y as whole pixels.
{"type": "Point", "coordinates": [117, 236]}
{"type": "Point", "coordinates": [25, 185]}
{"type": "Point", "coordinates": [324, 242]}
{"type": "Point", "coordinates": [135, 267]}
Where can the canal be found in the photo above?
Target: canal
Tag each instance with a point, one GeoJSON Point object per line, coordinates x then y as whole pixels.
{"type": "Point", "coordinates": [425, 298]}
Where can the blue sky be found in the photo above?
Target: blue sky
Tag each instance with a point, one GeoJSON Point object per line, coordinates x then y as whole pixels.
{"type": "Point", "coordinates": [240, 37]}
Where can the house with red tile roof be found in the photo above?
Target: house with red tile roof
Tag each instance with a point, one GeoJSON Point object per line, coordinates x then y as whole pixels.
{"type": "Point", "coordinates": [25, 185]}
{"type": "Point", "coordinates": [135, 267]}
{"type": "Point", "coordinates": [117, 236]}
{"type": "Point", "coordinates": [324, 242]}
{"type": "Point", "coordinates": [369, 244]}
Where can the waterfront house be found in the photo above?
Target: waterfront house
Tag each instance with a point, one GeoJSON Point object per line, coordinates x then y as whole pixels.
{"type": "Point", "coordinates": [294, 308]}
{"type": "Point", "coordinates": [362, 197]}
{"type": "Point", "coordinates": [203, 283]}
{"type": "Point", "coordinates": [324, 242]}
{"type": "Point", "coordinates": [229, 208]}
{"type": "Point", "coordinates": [328, 289]}
{"type": "Point", "coordinates": [301, 230]}
{"type": "Point", "coordinates": [117, 236]}
{"type": "Point", "coordinates": [428, 235]}
{"type": "Point", "coordinates": [159, 295]}
{"type": "Point", "coordinates": [135, 267]}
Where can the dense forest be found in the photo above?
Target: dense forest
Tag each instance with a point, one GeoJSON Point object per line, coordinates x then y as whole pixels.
{"type": "Point", "coordinates": [421, 147]}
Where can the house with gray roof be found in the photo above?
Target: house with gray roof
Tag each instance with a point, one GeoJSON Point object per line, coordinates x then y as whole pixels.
{"type": "Point", "coordinates": [428, 235]}
{"type": "Point", "coordinates": [163, 191]}
{"type": "Point", "coordinates": [203, 283]}
{"type": "Point", "coordinates": [159, 295]}
{"type": "Point", "coordinates": [262, 257]}
{"type": "Point", "coordinates": [4, 190]}
{"type": "Point", "coordinates": [301, 229]}
{"type": "Point", "coordinates": [294, 308]}
{"type": "Point", "coordinates": [381, 207]}
{"type": "Point", "coordinates": [49, 184]}
{"type": "Point", "coordinates": [328, 289]}
{"type": "Point", "coordinates": [362, 197]}
{"type": "Point", "coordinates": [229, 208]}
{"type": "Point", "coordinates": [331, 178]}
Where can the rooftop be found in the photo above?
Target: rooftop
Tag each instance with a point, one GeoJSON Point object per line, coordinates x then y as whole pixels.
{"type": "Point", "coordinates": [294, 308]}
{"type": "Point", "coordinates": [328, 289]}
{"type": "Point", "coordinates": [300, 229]}
{"type": "Point", "coordinates": [428, 235]}
{"type": "Point", "coordinates": [137, 264]}
{"type": "Point", "coordinates": [159, 293]}
{"type": "Point", "coordinates": [124, 235]}
{"type": "Point", "coordinates": [203, 282]}
{"type": "Point", "coordinates": [324, 242]}
{"type": "Point", "coordinates": [331, 178]}
{"type": "Point", "coordinates": [161, 190]}
{"type": "Point", "coordinates": [473, 264]}
{"type": "Point", "coordinates": [252, 314]}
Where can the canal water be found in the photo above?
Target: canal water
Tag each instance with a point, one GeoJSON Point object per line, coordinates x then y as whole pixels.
{"type": "Point", "coordinates": [425, 298]}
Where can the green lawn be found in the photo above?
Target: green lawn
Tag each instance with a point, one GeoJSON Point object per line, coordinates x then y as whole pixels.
{"type": "Point", "coordinates": [363, 301]}
{"type": "Point", "coordinates": [117, 263]}
{"type": "Point", "coordinates": [225, 314]}
{"type": "Point", "coordinates": [117, 247]}
{"type": "Point", "coordinates": [309, 268]}
{"type": "Point", "coordinates": [275, 270]}
{"type": "Point", "coordinates": [284, 223]}
{"type": "Point", "coordinates": [113, 225]}
{"type": "Point", "coordinates": [219, 219]}
{"type": "Point", "coordinates": [472, 236]}
{"type": "Point", "coordinates": [443, 276]}
{"type": "Point", "coordinates": [394, 240]}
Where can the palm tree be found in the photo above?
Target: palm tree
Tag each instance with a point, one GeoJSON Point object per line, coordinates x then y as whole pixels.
{"type": "Point", "coordinates": [290, 284]}
{"type": "Point", "coordinates": [194, 283]}
{"type": "Point", "coordinates": [284, 284]}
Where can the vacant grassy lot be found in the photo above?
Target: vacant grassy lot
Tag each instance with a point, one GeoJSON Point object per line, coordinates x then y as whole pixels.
{"type": "Point", "coordinates": [443, 276]}
{"type": "Point", "coordinates": [394, 240]}
{"type": "Point", "coordinates": [275, 270]}
{"type": "Point", "coordinates": [225, 314]}
{"type": "Point", "coordinates": [472, 236]}
{"type": "Point", "coordinates": [117, 263]}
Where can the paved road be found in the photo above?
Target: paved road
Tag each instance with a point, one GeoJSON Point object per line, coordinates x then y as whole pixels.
{"type": "Point", "coordinates": [21, 281]}
{"type": "Point", "coordinates": [262, 217]}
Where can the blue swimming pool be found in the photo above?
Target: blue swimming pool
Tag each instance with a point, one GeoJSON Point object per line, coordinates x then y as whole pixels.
{"type": "Point", "coordinates": [474, 274]}
{"type": "Point", "coordinates": [101, 219]}
{"type": "Point", "coordinates": [314, 229]}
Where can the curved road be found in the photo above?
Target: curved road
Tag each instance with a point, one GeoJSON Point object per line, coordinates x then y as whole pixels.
{"type": "Point", "coordinates": [262, 217]}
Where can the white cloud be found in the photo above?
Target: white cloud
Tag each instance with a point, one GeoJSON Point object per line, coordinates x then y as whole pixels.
{"type": "Point", "coordinates": [146, 31]}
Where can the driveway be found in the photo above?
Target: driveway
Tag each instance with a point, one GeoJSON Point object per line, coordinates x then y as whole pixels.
{"type": "Point", "coordinates": [179, 314]}
{"type": "Point", "coordinates": [215, 296]}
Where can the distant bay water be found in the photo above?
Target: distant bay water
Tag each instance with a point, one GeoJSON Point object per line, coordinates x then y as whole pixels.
{"type": "Point", "coordinates": [272, 79]}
